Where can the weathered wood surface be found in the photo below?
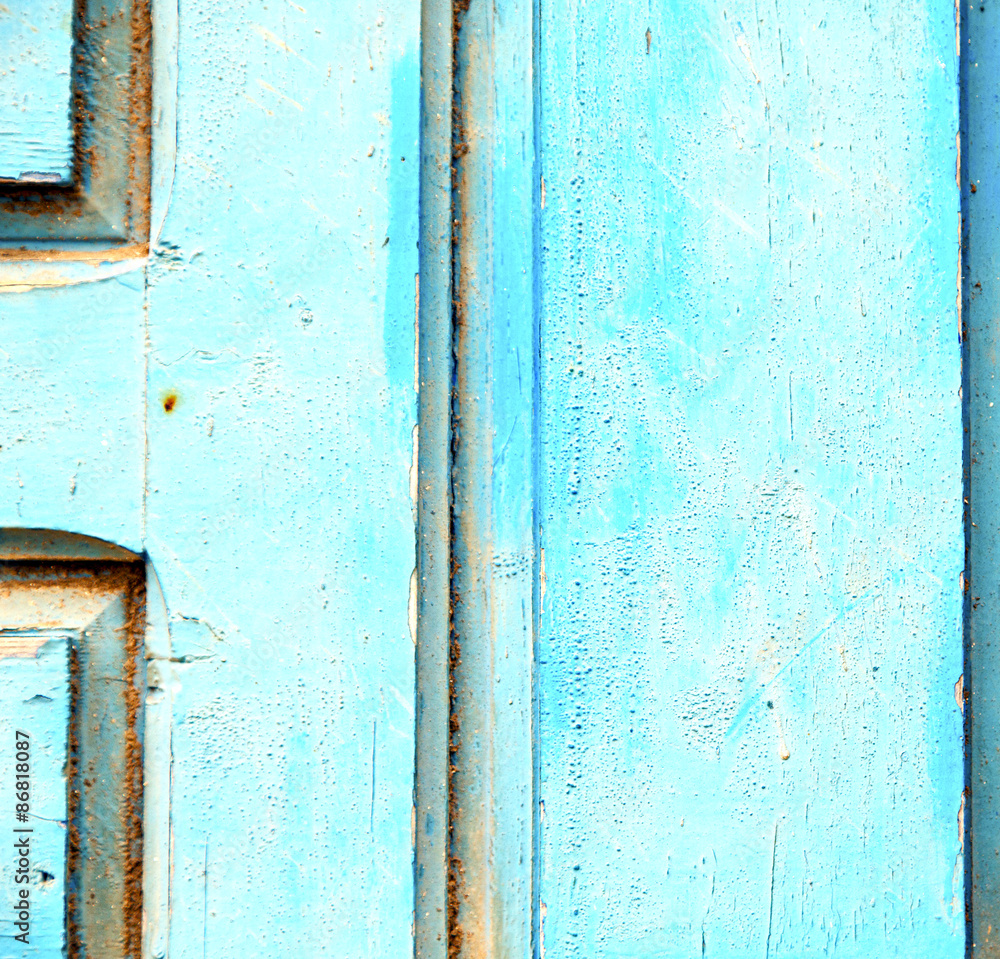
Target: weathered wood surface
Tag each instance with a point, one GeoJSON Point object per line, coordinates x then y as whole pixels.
{"type": "Point", "coordinates": [36, 137]}
{"type": "Point", "coordinates": [34, 675]}
{"type": "Point", "coordinates": [751, 481]}
{"type": "Point", "coordinates": [708, 386]}
{"type": "Point", "coordinates": [243, 410]}
{"type": "Point", "coordinates": [281, 411]}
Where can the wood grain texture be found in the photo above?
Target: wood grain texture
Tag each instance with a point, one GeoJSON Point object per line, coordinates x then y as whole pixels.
{"type": "Point", "coordinates": [36, 43]}
{"type": "Point", "coordinates": [751, 481]}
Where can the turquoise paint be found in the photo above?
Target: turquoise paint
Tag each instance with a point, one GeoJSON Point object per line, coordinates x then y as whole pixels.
{"type": "Point", "coordinates": [710, 366]}
{"type": "Point", "coordinates": [278, 509]}
{"type": "Point", "coordinates": [34, 671]}
{"type": "Point", "coordinates": [103, 193]}
{"type": "Point", "coordinates": [493, 480]}
{"type": "Point", "coordinates": [750, 482]}
{"type": "Point", "coordinates": [36, 40]}
{"type": "Point", "coordinates": [273, 500]}
{"type": "Point", "coordinates": [73, 455]}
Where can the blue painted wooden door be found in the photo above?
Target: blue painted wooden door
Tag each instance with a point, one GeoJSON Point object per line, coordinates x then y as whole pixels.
{"type": "Point", "coordinates": [519, 449]}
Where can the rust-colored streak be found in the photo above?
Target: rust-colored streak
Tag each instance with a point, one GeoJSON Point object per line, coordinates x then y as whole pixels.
{"type": "Point", "coordinates": [169, 402]}
{"type": "Point", "coordinates": [73, 944]}
{"type": "Point", "coordinates": [455, 871]}
{"type": "Point", "coordinates": [81, 115]}
{"type": "Point", "coordinates": [460, 148]}
{"type": "Point", "coordinates": [132, 793]}
{"type": "Point", "coordinates": [140, 118]}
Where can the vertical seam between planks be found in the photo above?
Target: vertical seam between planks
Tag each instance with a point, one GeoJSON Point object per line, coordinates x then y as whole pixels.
{"type": "Point", "coordinates": [961, 28]}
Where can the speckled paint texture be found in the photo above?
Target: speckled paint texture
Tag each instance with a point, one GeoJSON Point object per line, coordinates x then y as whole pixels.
{"type": "Point", "coordinates": [692, 517]}
{"type": "Point", "coordinates": [243, 410]}
{"type": "Point", "coordinates": [750, 448]}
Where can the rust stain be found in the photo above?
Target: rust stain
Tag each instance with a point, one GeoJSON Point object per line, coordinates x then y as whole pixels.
{"type": "Point", "coordinates": [132, 793]}
{"type": "Point", "coordinates": [73, 944]}
{"type": "Point", "coordinates": [113, 255]}
{"type": "Point", "coordinates": [460, 148]}
{"type": "Point", "coordinates": [140, 118]}
{"type": "Point", "coordinates": [169, 402]}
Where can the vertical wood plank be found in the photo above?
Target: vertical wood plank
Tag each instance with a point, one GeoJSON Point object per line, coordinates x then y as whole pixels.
{"type": "Point", "coordinates": [751, 449]}
{"type": "Point", "coordinates": [281, 415]}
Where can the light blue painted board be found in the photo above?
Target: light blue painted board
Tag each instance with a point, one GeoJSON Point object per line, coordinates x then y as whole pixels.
{"type": "Point", "coordinates": [36, 46]}
{"type": "Point", "coordinates": [71, 421]}
{"type": "Point", "coordinates": [282, 309]}
{"type": "Point", "coordinates": [751, 484]}
{"type": "Point", "coordinates": [34, 676]}
{"type": "Point", "coordinates": [981, 261]}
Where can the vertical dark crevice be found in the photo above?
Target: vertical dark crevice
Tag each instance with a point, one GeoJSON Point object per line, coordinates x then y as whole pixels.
{"type": "Point", "coordinates": [434, 689]}
{"type": "Point", "coordinates": [459, 148]}
{"type": "Point", "coordinates": [73, 944]}
{"type": "Point", "coordinates": [962, 27]}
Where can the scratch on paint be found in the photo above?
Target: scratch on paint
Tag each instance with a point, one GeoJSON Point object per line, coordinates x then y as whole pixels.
{"type": "Point", "coordinates": [741, 42]}
{"type": "Point", "coordinates": [791, 420]}
{"type": "Point", "coordinates": [371, 817]}
{"type": "Point", "coordinates": [892, 549]}
{"type": "Point", "coordinates": [752, 700]}
{"type": "Point", "coordinates": [267, 86]}
{"type": "Point", "coordinates": [736, 219]}
{"type": "Point", "coordinates": [278, 42]}
{"type": "Point", "coordinates": [770, 908]}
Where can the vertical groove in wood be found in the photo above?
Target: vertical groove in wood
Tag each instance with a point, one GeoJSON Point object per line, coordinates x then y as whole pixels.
{"type": "Point", "coordinates": [433, 509]}
{"type": "Point", "coordinates": [493, 473]}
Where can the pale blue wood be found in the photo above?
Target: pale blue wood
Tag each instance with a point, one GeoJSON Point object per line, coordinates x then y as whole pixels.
{"type": "Point", "coordinates": [751, 482]}
{"type": "Point", "coordinates": [276, 500]}
{"type": "Point", "coordinates": [279, 518]}
{"type": "Point", "coordinates": [72, 361]}
{"type": "Point", "coordinates": [34, 676]}
{"type": "Point", "coordinates": [36, 45]}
